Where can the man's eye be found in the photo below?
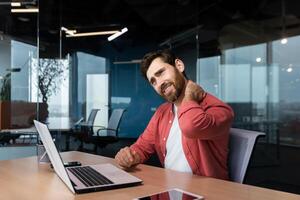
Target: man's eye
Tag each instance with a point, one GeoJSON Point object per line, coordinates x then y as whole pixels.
{"type": "Point", "coordinates": [152, 82]}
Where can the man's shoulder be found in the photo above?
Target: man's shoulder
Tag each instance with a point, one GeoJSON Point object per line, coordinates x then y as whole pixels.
{"type": "Point", "coordinates": [209, 98]}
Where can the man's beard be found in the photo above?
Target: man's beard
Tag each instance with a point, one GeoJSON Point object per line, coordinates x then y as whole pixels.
{"type": "Point", "coordinates": [178, 84]}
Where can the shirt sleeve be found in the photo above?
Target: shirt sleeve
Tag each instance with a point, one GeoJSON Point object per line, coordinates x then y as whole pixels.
{"type": "Point", "coordinates": [205, 120]}
{"type": "Point", "coordinates": [145, 145]}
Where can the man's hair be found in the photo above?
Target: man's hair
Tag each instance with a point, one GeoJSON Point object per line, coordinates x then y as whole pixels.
{"type": "Point", "coordinates": [165, 55]}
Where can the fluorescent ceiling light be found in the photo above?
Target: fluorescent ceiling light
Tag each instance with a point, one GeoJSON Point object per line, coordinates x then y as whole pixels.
{"type": "Point", "coordinates": [91, 33]}
{"type": "Point", "coordinates": [15, 4]}
{"type": "Point", "coordinates": [135, 61]}
{"type": "Point", "coordinates": [69, 32]}
{"type": "Point", "coordinates": [114, 36]}
{"type": "Point", "coordinates": [24, 10]}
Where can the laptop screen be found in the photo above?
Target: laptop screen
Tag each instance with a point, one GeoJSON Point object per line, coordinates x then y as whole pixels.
{"type": "Point", "coordinates": [53, 153]}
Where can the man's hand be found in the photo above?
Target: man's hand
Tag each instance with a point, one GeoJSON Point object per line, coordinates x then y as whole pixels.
{"type": "Point", "coordinates": [193, 92]}
{"type": "Point", "coordinates": [127, 158]}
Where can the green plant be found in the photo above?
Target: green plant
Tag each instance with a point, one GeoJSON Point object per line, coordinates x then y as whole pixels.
{"type": "Point", "coordinates": [5, 89]}
{"type": "Point", "coordinates": [50, 76]}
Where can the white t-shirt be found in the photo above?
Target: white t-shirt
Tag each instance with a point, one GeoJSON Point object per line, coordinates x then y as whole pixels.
{"type": "Point", "coordinates": [175, 158]}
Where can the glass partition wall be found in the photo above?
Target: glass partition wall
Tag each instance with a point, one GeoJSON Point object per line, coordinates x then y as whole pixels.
{"type": "Point", "coordinates": [257, 78]}
{"type": "Point", "coordinates": [18, 61]}
{"type": "Point", "coordinates": [260, 83]}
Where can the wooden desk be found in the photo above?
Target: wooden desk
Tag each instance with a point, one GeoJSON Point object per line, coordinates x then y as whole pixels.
{"type": "Point", "coordinates": [26, 179]}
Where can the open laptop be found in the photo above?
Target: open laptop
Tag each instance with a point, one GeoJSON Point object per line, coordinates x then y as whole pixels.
{"type": "Point", "coordinates": [87, 178]}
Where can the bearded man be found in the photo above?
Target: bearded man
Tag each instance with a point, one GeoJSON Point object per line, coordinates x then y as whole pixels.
{"type": "Point", "coordinates": [189, 132]}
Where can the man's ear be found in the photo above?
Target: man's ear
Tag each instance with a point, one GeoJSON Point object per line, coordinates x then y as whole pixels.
{"type": "Point", "coordinates": [179, 65]}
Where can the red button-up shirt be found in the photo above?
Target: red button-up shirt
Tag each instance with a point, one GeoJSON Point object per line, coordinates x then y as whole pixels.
{"type": "Point", "coordinates": [205, 133]}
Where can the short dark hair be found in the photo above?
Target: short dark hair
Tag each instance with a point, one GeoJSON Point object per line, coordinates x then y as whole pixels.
{"type": "Point", "coordinates": [166, 55]}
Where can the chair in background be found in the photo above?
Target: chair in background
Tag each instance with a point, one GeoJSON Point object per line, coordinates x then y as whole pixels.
{"type": "Point", "coordinates": [109, 134]}
{"type": "Point", "coordinates": [82, 129]}
{"type": "Point", "coordinates": [90, 122]}
{"type": "Point", "coordinates": [241, 145]}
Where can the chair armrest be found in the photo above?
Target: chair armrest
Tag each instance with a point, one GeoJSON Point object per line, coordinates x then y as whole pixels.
{"type": "Point", "coordinates": [100, 127]}
{"type": "Point", "coordinates": [79, 121]}
{"type": "Point", "coordinates": [103, 129]}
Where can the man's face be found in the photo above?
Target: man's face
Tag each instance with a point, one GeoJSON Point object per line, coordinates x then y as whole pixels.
{"type": "Point", "coordinates": [167, 80]}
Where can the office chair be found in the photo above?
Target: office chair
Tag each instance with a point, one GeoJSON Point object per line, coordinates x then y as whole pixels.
{"type": "Point", "coordinates": [89, 123]}
{"type": "Point", "coordinates": [241, 145]}
{"type": "Point", "coordinates": [109, 134]}
{"type": "Point", "coordinates": [5, 139]}
{"type": "Point", "coordinates": [82, 128]}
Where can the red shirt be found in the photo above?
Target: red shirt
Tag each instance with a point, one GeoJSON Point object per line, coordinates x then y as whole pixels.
{"type": "Point", "coordinates": [205, 133]}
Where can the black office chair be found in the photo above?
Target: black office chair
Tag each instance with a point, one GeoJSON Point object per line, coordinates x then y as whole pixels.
{"type": "Point", "coordinates": [109, 134]}
{"type": "Point", "coordinates": [82, 129]}
{"type": "Point", "coordinates": [5, 139]}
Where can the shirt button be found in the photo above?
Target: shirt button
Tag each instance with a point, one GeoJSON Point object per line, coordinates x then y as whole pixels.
{"type": "Point", "coordinates": [170, 121]}
{"type": "Point", "coordinates": [164, 139]}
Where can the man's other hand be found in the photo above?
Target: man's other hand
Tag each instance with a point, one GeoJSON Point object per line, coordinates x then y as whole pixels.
{"type": "Point", "coordinates": [127, 158]}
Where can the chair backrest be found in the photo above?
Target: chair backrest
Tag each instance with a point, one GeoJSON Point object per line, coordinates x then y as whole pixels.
{"type": "Point", "coordinates": [241, 144]}
{"type": "Point", "coordinates": [92, 117]}
{"type": "Point", "coordinates": [114, 121]}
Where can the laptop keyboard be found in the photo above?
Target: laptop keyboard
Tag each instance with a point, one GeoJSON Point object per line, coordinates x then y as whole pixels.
{"type": "Point", "coordinates": [89, 177]}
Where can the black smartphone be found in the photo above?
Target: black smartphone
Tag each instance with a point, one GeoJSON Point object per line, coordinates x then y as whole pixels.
{"type": "Point", "coordinates": [70, 164]}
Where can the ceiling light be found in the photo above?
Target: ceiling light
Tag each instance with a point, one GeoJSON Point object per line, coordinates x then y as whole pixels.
{"type": "Point", "coordinates": [67, 31]}
{"type": "Point", "coordinates": [18, 3]}
{"type": "Point", "coordinates": [92, 33]}
{"type": "Point", "coordinates": [71, 32]}
{"type": "Point", "coordinates": [134, 61]}
{"type": "Point", "coordinates": [63, 28]}
{"type": "Point", "coordinates": [15, 4]}
{"type": "Point", "coordinates": [114, 36]}
{"type": "Point", "coordinates": [283, 41]}
{"type": "Point", "coordinates": [290, 69]}
{"type": "Point", "coordinates": [258, 59]}
{"type": "Point", "coordinates": [24, 19]}
{"type": "Point", "coordinates": [24, 10]}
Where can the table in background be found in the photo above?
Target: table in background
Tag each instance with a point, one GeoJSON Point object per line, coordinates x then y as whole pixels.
{"type": "Point", "coordinates": [26, 179]}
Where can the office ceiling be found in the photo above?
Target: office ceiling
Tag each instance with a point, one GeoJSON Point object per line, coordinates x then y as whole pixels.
{"type": "Point", "coordinates": [154, 21]}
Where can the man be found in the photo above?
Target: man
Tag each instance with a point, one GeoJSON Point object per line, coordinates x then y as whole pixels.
{"type": "Point", "coordinates": [190, 131]}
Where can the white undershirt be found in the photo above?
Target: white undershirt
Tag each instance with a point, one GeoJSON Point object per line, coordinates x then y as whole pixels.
{"type": "Point", "coordinates": [175, 158]}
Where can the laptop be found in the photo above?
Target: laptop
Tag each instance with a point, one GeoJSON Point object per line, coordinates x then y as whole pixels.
{"type": "Point", "coordinates": [89, 178]}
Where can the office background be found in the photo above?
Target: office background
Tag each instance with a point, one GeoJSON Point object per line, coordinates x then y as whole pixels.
{"type": "Point", "coordinates": [245, 53]}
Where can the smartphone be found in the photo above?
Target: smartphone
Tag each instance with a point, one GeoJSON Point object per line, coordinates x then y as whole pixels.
{"type": "Point", "coordinates": [172, 194]}
{"type": "Point", "coordinates": [70, 164]}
